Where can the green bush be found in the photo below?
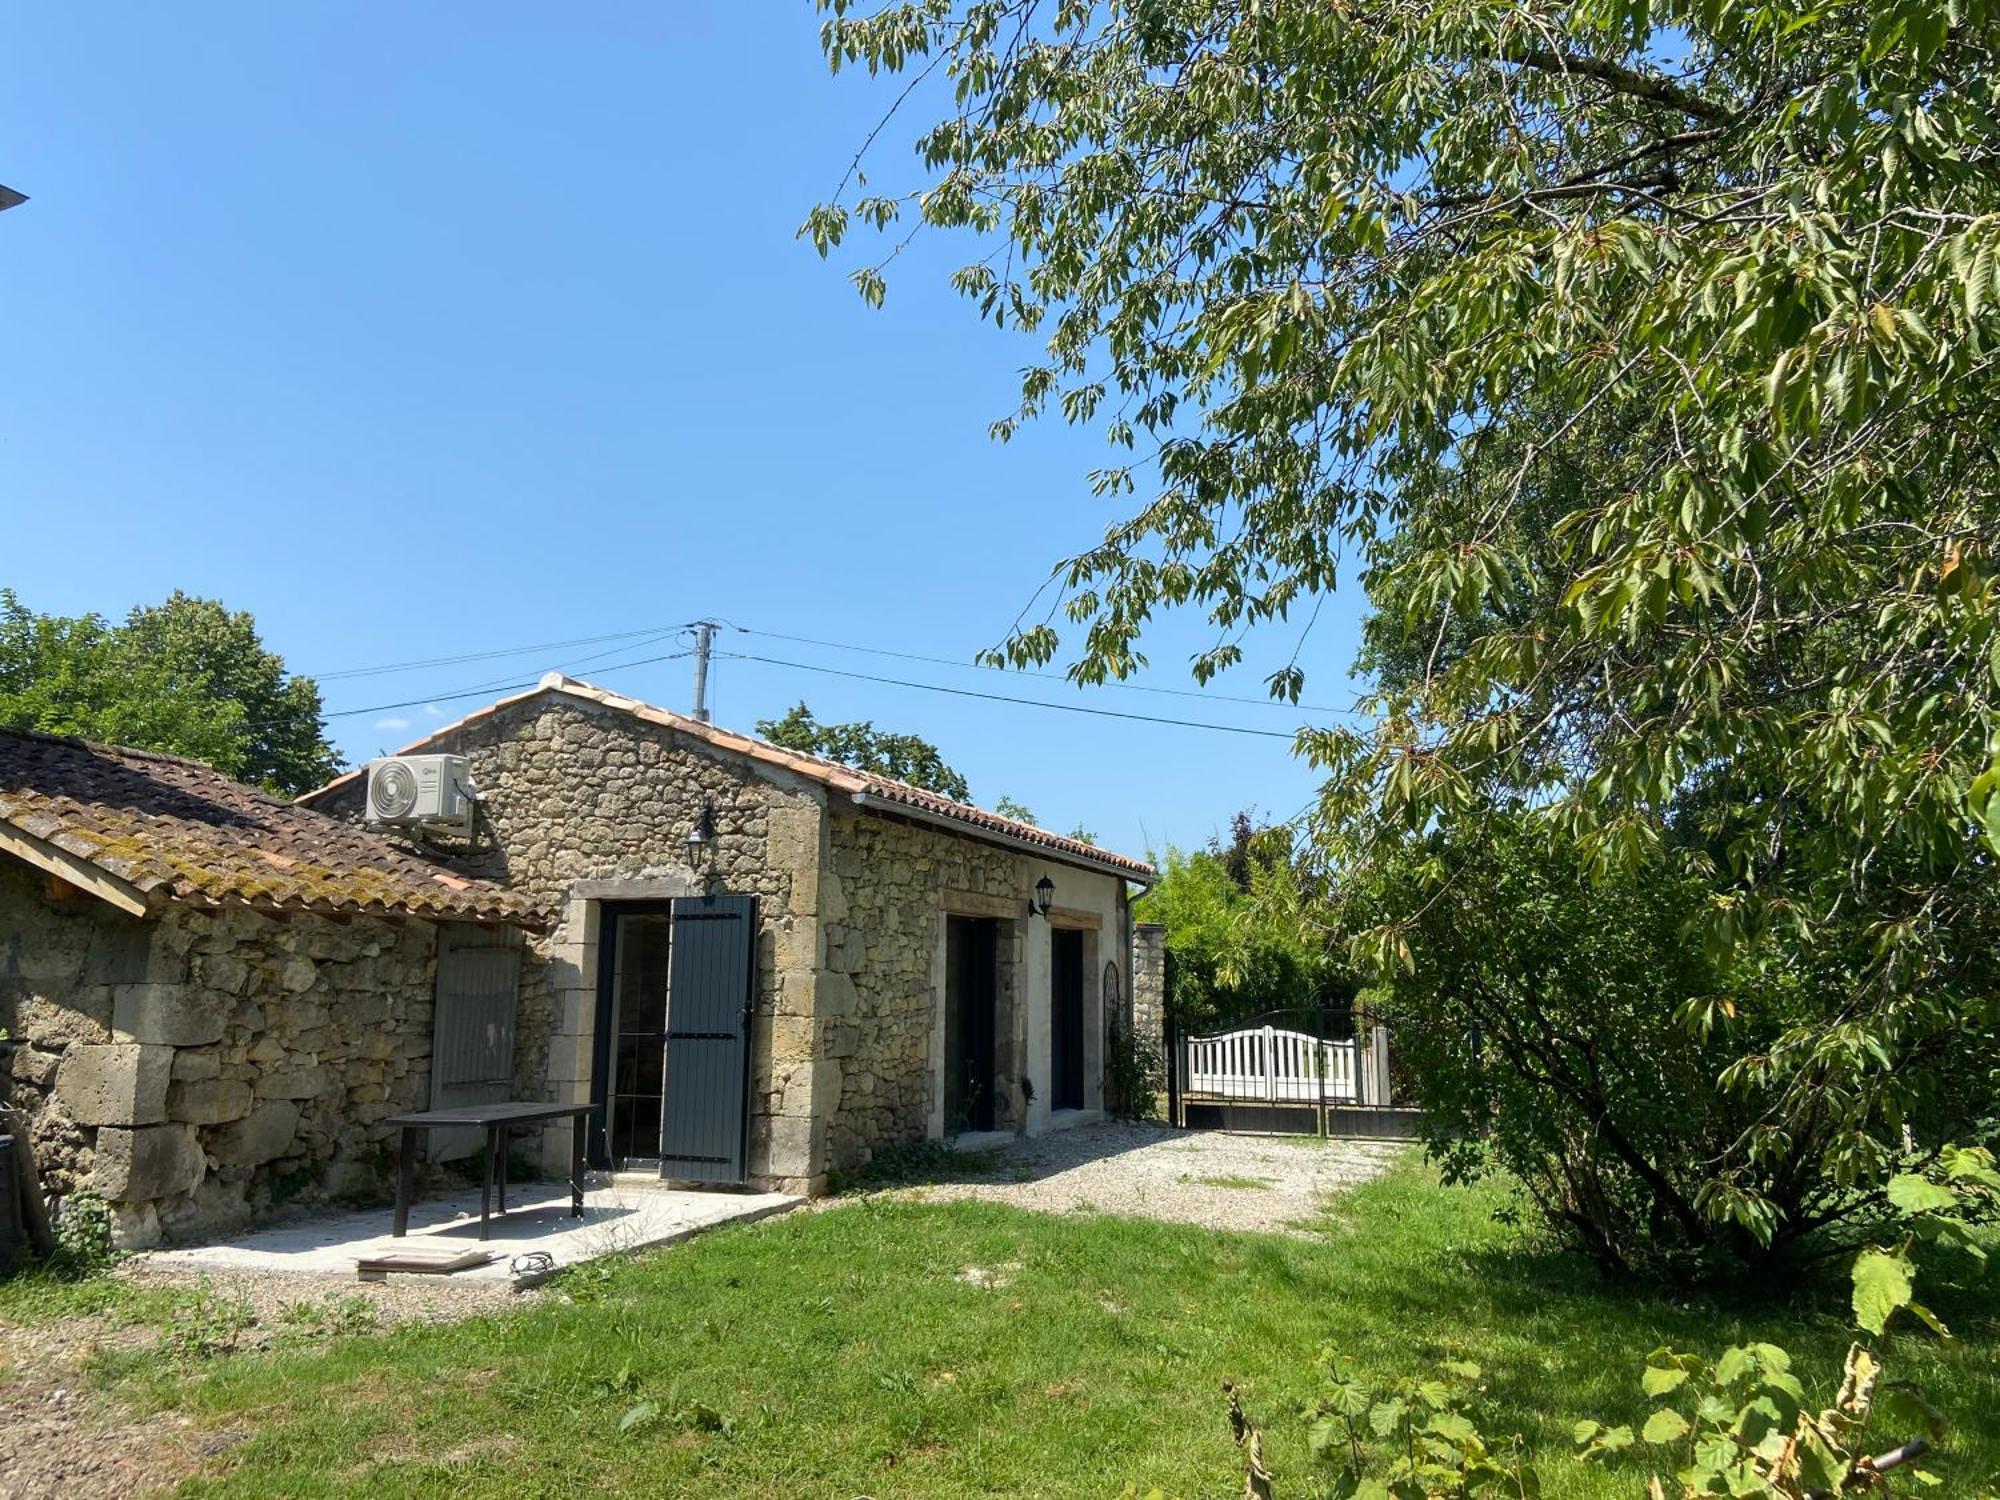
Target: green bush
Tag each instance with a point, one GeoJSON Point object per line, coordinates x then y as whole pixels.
{"type": "Point", "coordinates": [1561, 1023]}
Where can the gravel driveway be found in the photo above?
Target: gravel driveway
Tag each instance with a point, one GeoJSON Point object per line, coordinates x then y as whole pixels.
{"type": "Point", "coordinates": [1254, 1182]}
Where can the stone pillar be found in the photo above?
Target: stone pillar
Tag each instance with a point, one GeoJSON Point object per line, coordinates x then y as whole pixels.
{"type": "Point", "coordinates": [1149, 985]}
{"type": "Point", "coordinates": [572, 981]}
{"type": "Point", "coordinates": [796, 1057]}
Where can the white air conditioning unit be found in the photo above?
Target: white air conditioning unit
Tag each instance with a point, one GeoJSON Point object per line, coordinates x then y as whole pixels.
{"type": "Point", "coordinates": [421, 791]}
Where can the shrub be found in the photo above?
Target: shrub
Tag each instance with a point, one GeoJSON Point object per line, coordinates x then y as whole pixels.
{"type": "Point", "coordinates": [82, 1229]}
{"type": "Point", "coordinates": [1134, 1074]}
{"type": "Point", "coordinates": [1562, 1024]}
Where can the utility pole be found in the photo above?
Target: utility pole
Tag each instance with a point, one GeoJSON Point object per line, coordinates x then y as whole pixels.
{"type": "Point", "coordinates": [704, 642]}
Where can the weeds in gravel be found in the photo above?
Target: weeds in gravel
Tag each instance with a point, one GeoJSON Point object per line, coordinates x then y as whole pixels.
{"type": "Point", "coordinates": [208, 1324]}
{"type": "Point", "coordinates": [916, 1164]}
{"type": "Point", "coordinates": [332, 1317]}
{"type": "Point", "coordinates": [51, 1291]}
{"type": "Point", "coordinates": [1234, 1180]}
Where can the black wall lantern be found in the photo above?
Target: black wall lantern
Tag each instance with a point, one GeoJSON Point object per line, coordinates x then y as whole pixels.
{"type": "Point", "coordinates": [701, 836]}
{"type": "Point", "coordinates": [1043, 899]}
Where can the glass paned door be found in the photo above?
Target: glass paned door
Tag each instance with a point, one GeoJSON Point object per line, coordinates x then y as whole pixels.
{"type": "Point", "coordinates": [638, 1036]}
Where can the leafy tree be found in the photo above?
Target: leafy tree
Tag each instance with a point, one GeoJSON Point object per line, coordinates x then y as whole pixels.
{"type": "Point", "coordinates": [1242, 937]}
{"type": "Point", "coordinates": [188, 677]}
{"type": "Point", "coordinates": [905, 757]}
{"type": "Point", "coordinates": [1639, 355]}
{"type": "Point", "coordinates": [1020, 812]}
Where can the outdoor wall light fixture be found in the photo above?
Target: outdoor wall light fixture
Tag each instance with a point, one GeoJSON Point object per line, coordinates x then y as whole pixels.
{"type": "Point", "coordinates": [1043, 899]}
{"type": "Point", "coordinates": [701, 835]}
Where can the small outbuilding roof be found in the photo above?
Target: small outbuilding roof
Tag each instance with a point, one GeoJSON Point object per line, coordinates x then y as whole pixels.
{"type": "Point", "coordinates": [141, 830]}
{"type": "Point", "coordinates": [866, 790]}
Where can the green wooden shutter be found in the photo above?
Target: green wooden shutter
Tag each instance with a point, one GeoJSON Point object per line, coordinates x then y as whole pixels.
{"type": "Point", "coordinates": [712, 969]}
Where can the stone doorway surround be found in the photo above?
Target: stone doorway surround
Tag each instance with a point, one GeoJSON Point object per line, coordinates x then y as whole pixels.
{"type": "Point", "coordinates": [572, 967]}
{"type": "Point", "coordinates": [1090, 926]}
{"type": "Point", "coordinates": [1010, 1043]}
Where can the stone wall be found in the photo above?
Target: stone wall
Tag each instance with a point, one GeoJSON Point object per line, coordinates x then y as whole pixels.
{"type": "Point", "coordinates": [884, 900]}
{"type": "Point", "coordinates": [1149, 984]}
{"type": "Point", "coordinates": [200, 1067]}
{"type": "Point", "coordinates": [582, 803]}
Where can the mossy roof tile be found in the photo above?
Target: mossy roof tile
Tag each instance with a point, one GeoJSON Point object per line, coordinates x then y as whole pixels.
{"type": "Point", "coordinates": [177, 830]}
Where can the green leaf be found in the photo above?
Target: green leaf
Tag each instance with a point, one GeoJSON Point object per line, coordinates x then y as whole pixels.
{"type": "Point", "coordinates": [1434, 1394]}
{"type": "Point", "coordinates": [1901, 1407]}
{"type": "Point", "coordinates": [1658, 1380]}
{"type": "Point", "coordinates": [1664, 1426]}
{"type": "Point", "coordinates": [1454, 1427]}
{"type": "Point", "coordinates": [1917, 1195]}
{"type": "Point", "coordinates": [1930, 1320]}
{"type": "Point", "coordinates": [638, 1414]}
{"type": "Point", "coordinates": [1882, 1283]}
{"type": "Point", "coordinates": [1386, 1416]}
{"type": "Point", "coordinates": [1324, 1436]}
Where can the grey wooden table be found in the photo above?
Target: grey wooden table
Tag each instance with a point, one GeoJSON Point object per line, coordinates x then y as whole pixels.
{"type": "Point", "coordinates": [496, 1120]}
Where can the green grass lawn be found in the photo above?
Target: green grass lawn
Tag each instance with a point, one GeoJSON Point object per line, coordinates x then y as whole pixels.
{"type": "Point", "coordinates": [847, 1353]}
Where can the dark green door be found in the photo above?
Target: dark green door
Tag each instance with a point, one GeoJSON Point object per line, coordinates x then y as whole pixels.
{"type": "Point", "coordinates": [1066, 1016]}
{"type": "Point", "coordinates": [705, 1116]}
{"type": "Point", "coordinates": [971, 1010]}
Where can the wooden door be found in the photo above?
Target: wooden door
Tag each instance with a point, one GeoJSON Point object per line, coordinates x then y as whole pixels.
{"type": "Point", "coordinates": [1066, 1018]}
{"type": "Point", "coordinates": [971, 1019]}
{"type": "Point", "coordinates": [705, 1120]}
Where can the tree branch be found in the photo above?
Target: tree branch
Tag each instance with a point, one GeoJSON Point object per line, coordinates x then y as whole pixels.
{"type": "Point", "coordinates": [1630, 81]}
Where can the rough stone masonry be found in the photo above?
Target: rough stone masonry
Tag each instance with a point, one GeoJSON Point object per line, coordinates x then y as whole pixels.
{"type": "Point", "coordinates": [200, 1067]}
{"type": "Point", "coordinates": [586, 799]}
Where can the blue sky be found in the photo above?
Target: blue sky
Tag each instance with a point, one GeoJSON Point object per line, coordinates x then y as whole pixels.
{"type": "Point", "coordinates": [424, 331]}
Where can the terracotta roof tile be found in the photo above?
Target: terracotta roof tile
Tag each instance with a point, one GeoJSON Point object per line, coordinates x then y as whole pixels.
{"type": "Point", "coordinates": [177, 830]}
{"type": "Point", "coordinates": [871, 791]}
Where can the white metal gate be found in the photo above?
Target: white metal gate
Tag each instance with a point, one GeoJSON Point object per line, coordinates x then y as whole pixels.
{"type": "Point", "coordinates": [1273, 1065]}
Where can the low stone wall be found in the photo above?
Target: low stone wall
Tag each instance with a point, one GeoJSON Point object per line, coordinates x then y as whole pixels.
{"type": "Point", "coordinates": [198, 1068]}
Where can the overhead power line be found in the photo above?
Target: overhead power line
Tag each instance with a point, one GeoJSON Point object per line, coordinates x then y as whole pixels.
{"type": "Point", "coordinates": [1130, 687]}
{"type": "Point", "coordinates": [493, 655]}
{"type": "Point", "coordinates": [485, 688]}
{"type": "Point", "coordinates": [1066, 708]}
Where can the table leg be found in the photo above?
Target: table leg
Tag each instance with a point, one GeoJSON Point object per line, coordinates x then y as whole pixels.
{"type": "Point", "coordinates": [486, 1183]}
{"type": "Point", "coordinates": [502, 1145]}
{"type": "Point", "coordinates": [577, 1125]}
{"type": "Point", "coordinates": [406, 1179]}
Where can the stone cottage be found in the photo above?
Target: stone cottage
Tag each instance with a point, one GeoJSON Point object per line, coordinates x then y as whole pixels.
{"type": "Point", "coordinates": [911, 967]}
{"type": "Point", "coordinates": [210, 997]}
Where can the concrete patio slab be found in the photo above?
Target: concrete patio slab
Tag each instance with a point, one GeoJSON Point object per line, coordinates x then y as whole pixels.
{"type": "Point", "coordinates": [617, 1218]}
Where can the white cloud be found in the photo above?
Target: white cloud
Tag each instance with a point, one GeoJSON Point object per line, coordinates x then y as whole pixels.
{"type": "Point", "coordinates": [432, 711]}
{"type": "Point", "coordinates": [392, 723]}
